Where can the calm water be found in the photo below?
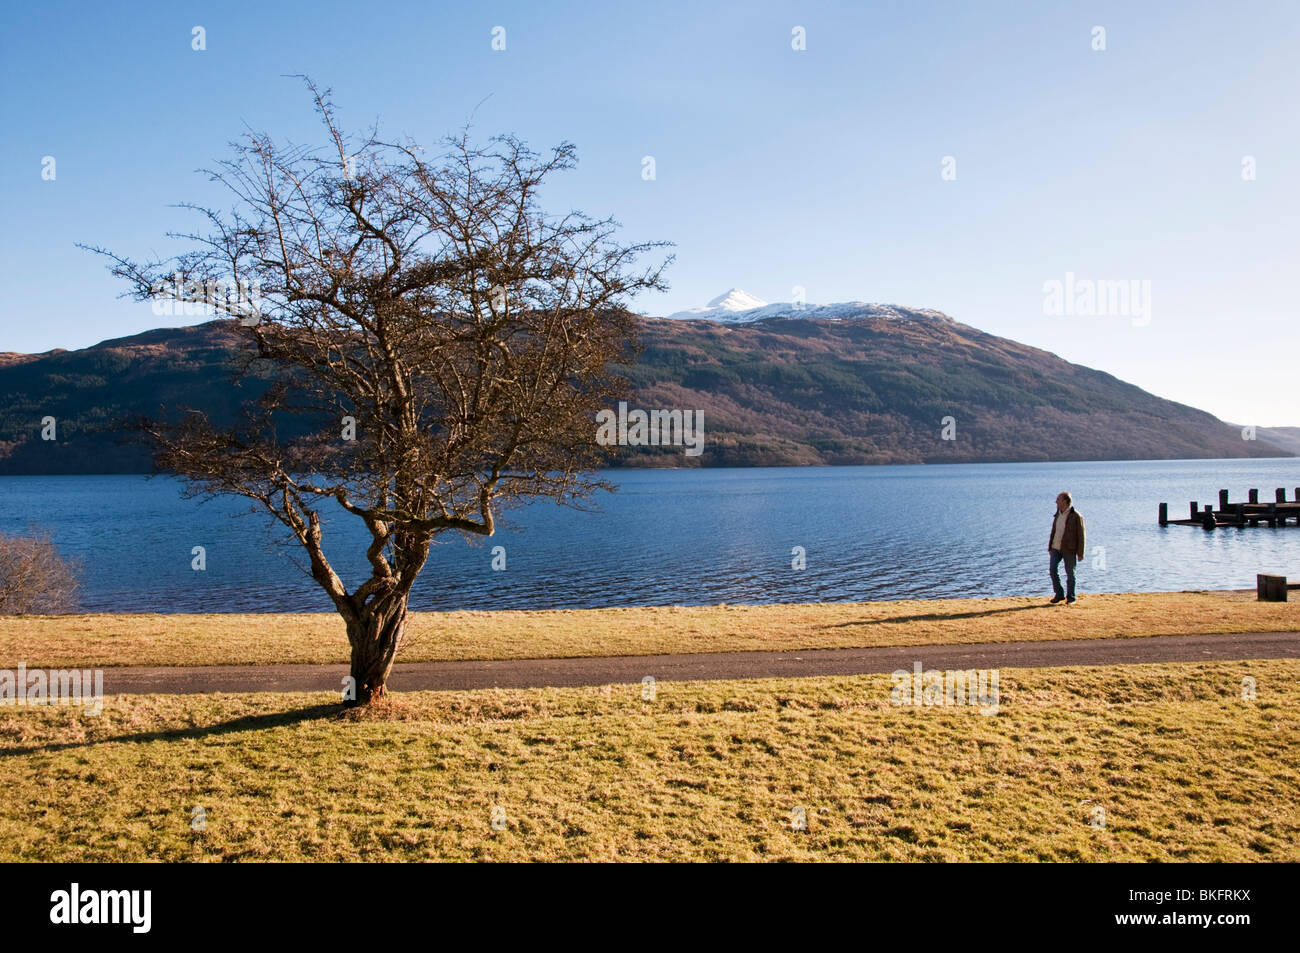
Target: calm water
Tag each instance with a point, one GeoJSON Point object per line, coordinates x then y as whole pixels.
{"type": "Point", "coordinates": [693, 537]}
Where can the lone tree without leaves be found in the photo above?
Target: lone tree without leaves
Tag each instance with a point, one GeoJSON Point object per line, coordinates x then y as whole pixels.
{"type": "Point", "coordinates": [468, 334]}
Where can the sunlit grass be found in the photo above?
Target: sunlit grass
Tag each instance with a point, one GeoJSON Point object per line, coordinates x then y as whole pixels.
{"type": "Point", "coordinates": [105, 640]}
{"type": "Point", "coordinates": [1182, 766]}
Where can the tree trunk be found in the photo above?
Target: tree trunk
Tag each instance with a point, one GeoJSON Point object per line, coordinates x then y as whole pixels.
{"type": "Point", "coordinates": [375, 636]}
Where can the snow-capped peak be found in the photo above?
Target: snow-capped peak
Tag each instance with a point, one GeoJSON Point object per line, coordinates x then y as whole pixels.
{"type": "Point", "coordinates": [732, 301]}
{"type": "Point", "coordinates": [740, 307]}
{"type": "Point", "coordinates": [736, 300]}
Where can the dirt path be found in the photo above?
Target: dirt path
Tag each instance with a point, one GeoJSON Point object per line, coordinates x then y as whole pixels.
{"type": "Point", "coordinates": [538, 673]}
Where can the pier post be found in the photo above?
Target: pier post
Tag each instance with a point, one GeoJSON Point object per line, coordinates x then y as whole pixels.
{"type": "Point", "coordinates": [1270, 588]}
{"type": "Point", "coordinates": [1164, 514]}
{"type": "Point", "coordinates": [1223, 499]}
{"type": "Point", "coordinates": [1280, 494]}
{"type": "Point", "coordinates": [1196, 510]}
{"type": "Point", "coordinates": [1254, 496]}
{"type": "Point", "coordinates": [1272, 514]}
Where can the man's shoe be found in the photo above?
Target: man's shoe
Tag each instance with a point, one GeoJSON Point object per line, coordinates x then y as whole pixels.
{"type": "Point", "coordinates": [1071, 601]}
{"type": "Point", "coordinates": [1056, 599]}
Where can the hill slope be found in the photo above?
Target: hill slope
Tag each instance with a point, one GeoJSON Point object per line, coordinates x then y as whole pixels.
{"type": "Point", "coordinates": [774, 391]}
{"type": "Point", "coordinates": [876, 390]}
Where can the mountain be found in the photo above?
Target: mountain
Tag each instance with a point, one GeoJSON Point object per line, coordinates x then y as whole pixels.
{"type": "Point", "coordinates": [1286, 438]}
{"type": "Point", "coordinates": [876, 383]}
{"type": "Point", "coordinates": [740, 307]}
{"type": "Point", "coordinates": [89, 391]}
{"type": "Point", "coordinates": [834, 384]}
{"type": "Point", "coordinates": [724, 306]}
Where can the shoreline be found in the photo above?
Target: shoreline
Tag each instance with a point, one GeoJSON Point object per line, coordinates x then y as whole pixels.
{"type": "Point", "coordinates": [187, 639]}
{"type": "Point", "coordinates": [780, 466]}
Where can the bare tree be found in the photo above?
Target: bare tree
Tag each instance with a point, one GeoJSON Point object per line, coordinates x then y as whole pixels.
{"type": "Point", "coordinates": [34, 578]}
{"type": "Point", "coordinates": [459, 335]}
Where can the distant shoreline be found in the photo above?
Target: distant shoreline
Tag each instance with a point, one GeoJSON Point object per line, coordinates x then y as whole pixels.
{"type": "Point", "coordinates": [778, 466]}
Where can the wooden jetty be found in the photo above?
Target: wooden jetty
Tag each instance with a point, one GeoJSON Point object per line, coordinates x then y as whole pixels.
{"type": "Point", "coordinates": [1250, 512]}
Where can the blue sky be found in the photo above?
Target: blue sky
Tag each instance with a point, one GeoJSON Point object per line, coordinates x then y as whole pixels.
{"type": "Point", "coordinates": [775, 168]}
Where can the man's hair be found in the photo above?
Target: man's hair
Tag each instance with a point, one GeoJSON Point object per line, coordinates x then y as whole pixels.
{"type": "Point", "coordinates": [1069, 500]}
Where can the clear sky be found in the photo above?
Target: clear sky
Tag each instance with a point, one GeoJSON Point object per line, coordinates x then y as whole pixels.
{"type": "Point", "coordinates": [775, 168]}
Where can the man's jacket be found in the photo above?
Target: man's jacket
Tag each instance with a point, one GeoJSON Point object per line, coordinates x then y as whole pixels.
{"type": "Point", "coordinates": [1072, 538]}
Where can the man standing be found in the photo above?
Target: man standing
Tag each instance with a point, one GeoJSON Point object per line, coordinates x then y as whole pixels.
{"type": "Point", "coordinates": [1065, 543]}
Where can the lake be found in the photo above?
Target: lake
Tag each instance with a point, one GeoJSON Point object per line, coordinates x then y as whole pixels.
{"type": "Point", "coordinates": [691, 537]}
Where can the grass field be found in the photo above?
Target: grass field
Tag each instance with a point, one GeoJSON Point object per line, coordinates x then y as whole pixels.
{"type": "Point", "coordinates": [1183, 767]}
{"type": "Point", "coordinates": [106, 640]}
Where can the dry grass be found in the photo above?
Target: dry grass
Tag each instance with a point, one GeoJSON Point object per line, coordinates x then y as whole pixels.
{"type": "Point", "coordinates": [1184, 768]}
{"type": "Point", "coordinates": [106, 640]}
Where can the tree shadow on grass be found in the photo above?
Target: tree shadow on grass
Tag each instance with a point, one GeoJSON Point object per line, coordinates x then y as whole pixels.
{"type": "Point", "coordinates": [938, 616]}
{"type": "Point", "coordinates": [234, 726]}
